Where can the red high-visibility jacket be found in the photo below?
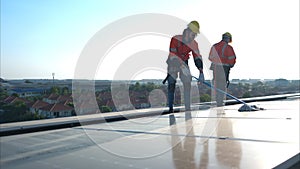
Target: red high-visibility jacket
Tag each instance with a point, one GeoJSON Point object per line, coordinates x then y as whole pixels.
{"type": "Point", "coordinates": [222, 54]}
{"type": "Point", "coordinates": [181, 50]}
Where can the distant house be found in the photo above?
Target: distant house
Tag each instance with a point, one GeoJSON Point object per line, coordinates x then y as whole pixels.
{"type": "Point", "coordinates": [110, 104]}
{"type": "Point", "coordinates": [55, 98]}
{"type": "Point", "coordinates": [104, 97]}
{"type": "Point", "coordinates": [14, 99]}
{"type": "Point", "coordinates": [37, 105]}
{"type": "Point", "coordinates": [53, 106]}
{"type": "Point", "coordinates": [85, 103]}
{"type": "Point", "coordinates": [65, 99]}
{"type": "Point", "coordinates": [139, 99]}
{"type": "Point", "coordinates": [56, 110]}
{"type": "Point", "coordinates": [122, 101]}
{"type": "Point", "coordinates": [87, 107]}
{"type": "Point", "coordinates": [27, 92]}
{"type": "Point", "coordinates": [51, 99]}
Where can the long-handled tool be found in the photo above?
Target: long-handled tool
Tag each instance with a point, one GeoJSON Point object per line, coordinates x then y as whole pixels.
{"type": "Point", "coordinates": [245, 107]}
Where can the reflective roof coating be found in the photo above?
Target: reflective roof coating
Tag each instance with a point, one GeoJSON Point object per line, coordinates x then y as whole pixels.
{"type": "Point", "coordinates": [212, 138]}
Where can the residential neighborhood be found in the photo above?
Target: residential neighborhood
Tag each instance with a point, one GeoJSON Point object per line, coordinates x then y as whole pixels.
{"type": "Point", "coordinates": [51, 106]}
{"type": "Point", "coordinates": [22, 100]}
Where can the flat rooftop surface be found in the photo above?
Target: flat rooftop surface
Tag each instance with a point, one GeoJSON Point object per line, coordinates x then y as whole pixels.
{"type": "Point", "coordinates": [212, 138]}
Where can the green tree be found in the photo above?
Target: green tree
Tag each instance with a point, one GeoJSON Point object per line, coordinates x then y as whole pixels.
{"type": "Point", "coordinates": [19, 106]}
{"type": "Point", "coordinates": [246, 94]}
{"type": "Point", "coordinates": [55, 90]}
{"type": "Point", "coordinates": [205, 98]}
{"type": "Point", "coordinates": [3, 94]}
{"type": "Point", "coordinates": [14, 112]}
{"type": "Point", "coordinates": [105, 109]}
{"type": "Point", "coordinates": [28, 81]}
{"type": "Point", "coordinates": [15, 94]}
{"type": "Point", "coordinates": [65, 91]}
{"type": "Point", "coordinates": [137, 86]}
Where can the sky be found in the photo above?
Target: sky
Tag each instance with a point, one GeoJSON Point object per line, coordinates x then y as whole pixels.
{"type": "Point", "coordinates": [39, 38]}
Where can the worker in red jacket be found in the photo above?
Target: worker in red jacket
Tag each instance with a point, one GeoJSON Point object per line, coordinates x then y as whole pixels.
{"type": "Point", "coordinates": [223, 59]}
{"type": "Point", "coordinates": [179, 53]}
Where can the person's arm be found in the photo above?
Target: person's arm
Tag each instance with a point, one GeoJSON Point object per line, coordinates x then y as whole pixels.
{"type": "Point", "coordinates": [198, 60]}
{"type": "Point", "coordinates": [197, 57]}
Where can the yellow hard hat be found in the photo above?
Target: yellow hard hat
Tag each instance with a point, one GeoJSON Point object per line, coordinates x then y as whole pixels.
{"type": "Point", "coordinates": [194, 26]}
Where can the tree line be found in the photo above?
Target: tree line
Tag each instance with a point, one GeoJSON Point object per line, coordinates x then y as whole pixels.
{"type": "Point", "coordinates": [19, 111]}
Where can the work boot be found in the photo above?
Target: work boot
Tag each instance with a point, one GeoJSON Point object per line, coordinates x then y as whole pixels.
{"type": "Point", "coordinates": [188, 116]}
{"type": "Point", "coordinates": [172, 119]}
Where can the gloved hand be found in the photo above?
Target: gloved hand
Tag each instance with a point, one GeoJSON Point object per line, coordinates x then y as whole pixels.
{"type": "Point", "coordinates": [201, 77]}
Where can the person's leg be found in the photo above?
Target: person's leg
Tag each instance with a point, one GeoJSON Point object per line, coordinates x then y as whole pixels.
{"type": "Point", "coordinates": [220, 84]}
{"type": "Point", "coordinates": [186, 79]}
{"type": "Point", "coordinates": [171, 91]}
{"type": "Point", "coordinates": [187, 95]}
{"type": "Point", "coordinates": [220, 96]}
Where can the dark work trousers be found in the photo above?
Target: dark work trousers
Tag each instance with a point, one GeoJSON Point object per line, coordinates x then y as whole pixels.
{"type": "Point", "coordinates": [186, 80]}
{"type": "Point", "coordinates": [220, 78]}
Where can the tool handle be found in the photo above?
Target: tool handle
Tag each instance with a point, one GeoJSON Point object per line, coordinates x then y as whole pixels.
{"type": "Point", "coordinates": [219, 90]}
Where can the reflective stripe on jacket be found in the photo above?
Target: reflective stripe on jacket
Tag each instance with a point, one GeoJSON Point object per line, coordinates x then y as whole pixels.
{"type": "Point", "coordinates": [222, 54]}
{"type": "Point", "coordinates": [181, 50]}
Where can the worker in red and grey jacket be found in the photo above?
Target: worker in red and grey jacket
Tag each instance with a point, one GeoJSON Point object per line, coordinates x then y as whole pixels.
{"type": "Point", "coordinates": [180, 48]}
{"type": "Point", "coordinates": [223, 59]}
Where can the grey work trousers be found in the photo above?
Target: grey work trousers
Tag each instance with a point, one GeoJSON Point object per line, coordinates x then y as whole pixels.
{"type": "Point", "coordinates": [220, 79]}
{"type": "Point", "coordinates": [186, 79]}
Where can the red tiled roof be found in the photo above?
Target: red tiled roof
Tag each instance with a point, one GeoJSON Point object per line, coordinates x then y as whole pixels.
{"type": "Point", "coordinates": [86, 105]}
{"type": "Point", "coordinates": [13, 99]}
{"type": "Point", "coordinates": [60, 98]}
{"type": "Point", "coordinates": [57, 107]}
{"type": "Point", "coordinates": [105, 95]}
{"type": "Point", "coordinates": [39, 104]}
{"type": "Point", "coordinates": [67, 101]}
{"type": "Point", "coordinates": [63, 98]}
{"type": "Point", "coordinates": [52, 96]}
{"type": "Point", "coordinates": [9, 99]}
{"type": "Point", "coordinates": [110, 103]}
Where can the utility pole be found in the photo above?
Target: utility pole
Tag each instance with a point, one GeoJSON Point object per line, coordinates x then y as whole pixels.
{"type": "Point", "coordinates": [53, 78]}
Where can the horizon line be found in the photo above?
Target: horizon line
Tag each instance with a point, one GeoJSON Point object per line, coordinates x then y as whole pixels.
{"type": "Point", "coordinates": [7, 79]}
